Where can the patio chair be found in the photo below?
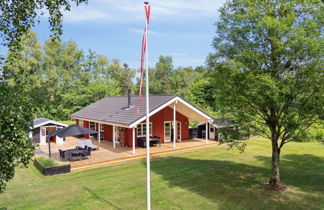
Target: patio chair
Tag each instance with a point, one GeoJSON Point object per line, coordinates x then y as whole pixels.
{"type": "Point", "coordinates": [81, 144]}
{"type": "Point", "coordinates": [88, 143]}
{"type": "Point", "coordinates": [66, 155]}
{"type": "Point", "coordinates": [61, 154]}
{"type": "Point", "coordinates": [87, 152]}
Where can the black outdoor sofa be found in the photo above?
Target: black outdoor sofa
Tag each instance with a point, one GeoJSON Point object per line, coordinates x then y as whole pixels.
{"type": "Point", "coordinates": [154, 140]}
{"type": "Point", "coordinates": [75, 154]}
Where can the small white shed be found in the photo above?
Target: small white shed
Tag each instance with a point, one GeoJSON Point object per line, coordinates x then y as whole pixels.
{"type": "Point", "coordinates": [214, 128]}
{"type": "Point", "coordinates": [43, 127]}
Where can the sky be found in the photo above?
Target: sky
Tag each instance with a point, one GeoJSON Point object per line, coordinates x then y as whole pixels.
{"type": "Point", "coordinates": [183, 29]}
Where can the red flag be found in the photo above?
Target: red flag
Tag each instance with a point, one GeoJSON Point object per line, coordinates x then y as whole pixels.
{"type": "Point", "coordinates": [147, 12]}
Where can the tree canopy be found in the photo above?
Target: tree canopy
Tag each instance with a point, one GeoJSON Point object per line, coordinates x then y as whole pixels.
{"type": "Point", "coordinates": [16, 107]}
{"type": "Point", "coordinates": [267, 69]}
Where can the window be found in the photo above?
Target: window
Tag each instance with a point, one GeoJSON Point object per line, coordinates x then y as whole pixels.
{"type": "Point", "coordinates": [81, 123]}
{"type": "Point", "coordinates": [141, 129]}
{"type": "Point", "coordinates": [211, 130]}
{"type": "Point", "coordinates": [92, 126]}
{"type": "Point", "coordinates": [102, 132]}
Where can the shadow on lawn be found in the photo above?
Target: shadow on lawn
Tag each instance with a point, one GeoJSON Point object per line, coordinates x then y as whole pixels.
{"type": "Point", "coordinates": [95, 195]}
{"type": "Point", "coordinates": [232, 184]}
{"type": "Point", "coordinates": [305, 171]}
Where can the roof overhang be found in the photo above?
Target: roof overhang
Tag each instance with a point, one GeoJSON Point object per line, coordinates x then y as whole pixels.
{"type": "Point", "coordinates": [218, 126]}
{"type": "Point", "coordinates": [102, 122]}
{"type": "Point", "coordinates": [182, 107]}
{"type": "Point", "coordinates": [50, 122]}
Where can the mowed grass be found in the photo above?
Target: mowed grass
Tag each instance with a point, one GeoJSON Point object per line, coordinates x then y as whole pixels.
{"type": "Point", "coordinates": [214, 178]}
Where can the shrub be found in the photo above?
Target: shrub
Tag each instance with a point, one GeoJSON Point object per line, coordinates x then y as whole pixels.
{"type": "Point", "coordinates": [45, 162]}
{"type": "Point", "coordinates": [314, 133]}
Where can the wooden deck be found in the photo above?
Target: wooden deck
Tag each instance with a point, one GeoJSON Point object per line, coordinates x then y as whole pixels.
{"type": "Point", "coordinates": [108, 155]}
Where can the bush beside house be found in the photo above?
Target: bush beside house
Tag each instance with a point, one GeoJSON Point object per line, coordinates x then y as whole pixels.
{"type": "Point", "coordinates": [50, 167]}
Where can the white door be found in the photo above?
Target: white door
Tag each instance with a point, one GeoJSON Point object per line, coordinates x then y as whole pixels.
{"type": "Point", "coordinates": [211, 132]}
{"type": "Point", "coordinates": [179, 131]}
{"type": "Point", "coordinates": [42, 136]}
{"type": "Point", "coordinates": [167, 131]}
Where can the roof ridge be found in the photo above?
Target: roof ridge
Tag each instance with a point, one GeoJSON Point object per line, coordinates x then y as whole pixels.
{"type": "Point", "coordinates": [138, 95]}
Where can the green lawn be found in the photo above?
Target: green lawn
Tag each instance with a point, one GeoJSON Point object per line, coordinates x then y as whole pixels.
{"type": "Point", "coordinates": [215, 178]}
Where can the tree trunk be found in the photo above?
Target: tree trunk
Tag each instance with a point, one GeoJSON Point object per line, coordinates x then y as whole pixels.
{"type": "Point", "coordinates": [274, 182]}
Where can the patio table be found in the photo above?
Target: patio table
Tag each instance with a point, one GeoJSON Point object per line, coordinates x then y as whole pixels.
{"type": "Point", "coordinates": [153, 141]}
{"type": "Point", "coordinates": [75, 154]}
{"type": "Point", "coordinates": [76, 151]}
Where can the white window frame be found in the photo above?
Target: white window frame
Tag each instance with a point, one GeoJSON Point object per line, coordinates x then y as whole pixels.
{"type": "Point", "coordinates": [90, 126]}
{"type": "Point", "coordinates": [102, 131]}
{"type": "Point", "coordinates": [140, 128]}
{"type": "Point", "coordinates": [92, 135]}
{"type": "Point", "coordinates": [179, 128]}
{"type": "Point", "coordinates": [170, 130]}
{"type": "Point", "coordinates": [179, 132]}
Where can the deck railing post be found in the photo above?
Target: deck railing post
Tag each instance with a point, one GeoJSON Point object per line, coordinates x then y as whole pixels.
{"type": "Point", "coordinates": [133, 130]}
{"type": "Point", "coordinates": [206, 133]}
{"type": "Point", "coordinates": [99, 132]}
{"type": "Point", "coordinates": [114, 136]}
{"type": "Point", "coordinates": [174, 125]}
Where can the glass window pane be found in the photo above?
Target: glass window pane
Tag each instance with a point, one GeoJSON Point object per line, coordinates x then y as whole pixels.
{"type": "Point", "coordinates": [144, 129]}
{"type": "Point", "coordinates": [139, 130]}
{"type": "Point", "coordinates": [150, 129]}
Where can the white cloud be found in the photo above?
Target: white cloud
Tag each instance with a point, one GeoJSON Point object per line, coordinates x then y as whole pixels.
{"type": "Point", "coordinates": [132, 10]}
{"type": "Point", "coordinates": [84, 14]}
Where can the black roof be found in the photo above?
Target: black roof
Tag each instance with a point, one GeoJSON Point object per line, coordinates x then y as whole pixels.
{"type": "Point", "coordinates": [40, 121]}
{"type": "Point", "coordinates": [221, 122]}
{"type": "Point", "coordinates": [224, 122]}
{"type": "Point", "coordinates": [113, 109]}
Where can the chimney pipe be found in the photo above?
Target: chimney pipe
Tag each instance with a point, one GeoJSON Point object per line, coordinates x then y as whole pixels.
{"type": "Point", "coordinates": [129, 98]}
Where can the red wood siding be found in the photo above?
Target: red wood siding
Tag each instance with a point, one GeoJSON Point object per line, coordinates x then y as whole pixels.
{"type": "Point", "coordinates": [129, 137]}
{"type": "Point", "coordinates": [158, 120]}
{"type": "Point", "coordinates": [108, 132]}
{"type": "Point", "coordinates": [77, 122]}
{"type": "Point", "coordinates": [166, 114]}
{"type": "Point", "coordinates": [86, 125]}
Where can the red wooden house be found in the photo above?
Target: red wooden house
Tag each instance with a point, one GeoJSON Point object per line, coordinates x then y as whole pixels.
{"type": "Point", "coordinates": [121, 119]}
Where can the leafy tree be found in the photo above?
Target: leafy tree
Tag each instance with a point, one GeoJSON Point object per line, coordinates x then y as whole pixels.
{"type": "Point", "coordinates": [15, 121]}
{"type": "Point", "coordinates": [59, 72]}
{"type": "Point", "coordinates": [64, 79]}
{"type": "Point", "coordinates": [122, 74]}
{"type": "Point", "coordinates": [268, 68]}
{"type": "Point", "coordinates": [181, 81]}
{"type": "Point", "coordinates": [161, 75]}
{"type": "Point", "coordinates": [201, 94]}
{"type": "Point", "coordinates": [16, 108]}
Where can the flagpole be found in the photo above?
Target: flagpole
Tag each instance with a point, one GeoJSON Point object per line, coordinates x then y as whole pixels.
{"type": "Point", "coordinates": [148, 169]}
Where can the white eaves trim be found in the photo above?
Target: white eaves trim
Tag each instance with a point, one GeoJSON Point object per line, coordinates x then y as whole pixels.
{"type": "Point", "coordinates": [52, 122]}
{"type": "Point", "coordinates": [101, 122]}
{"type": "Point", "coordinates": [175, 99]}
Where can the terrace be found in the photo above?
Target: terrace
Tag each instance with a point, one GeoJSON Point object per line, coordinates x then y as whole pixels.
{"type": "Point", "coordinates": [109, 155]}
